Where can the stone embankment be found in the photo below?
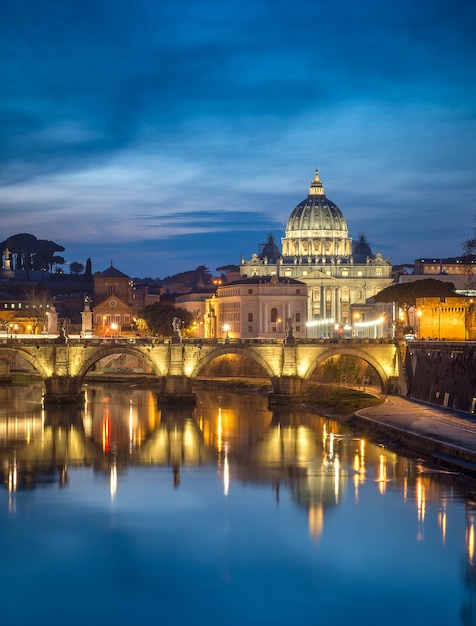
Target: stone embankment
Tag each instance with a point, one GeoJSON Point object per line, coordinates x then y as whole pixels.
{"type": "Point", "coordinates": [446, 437]}
{"type": "Point", "coordinates": [442, 373]}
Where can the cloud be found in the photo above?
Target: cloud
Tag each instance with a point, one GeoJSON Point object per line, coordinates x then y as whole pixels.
{"type": "Point", "coordinates": [182, 123]}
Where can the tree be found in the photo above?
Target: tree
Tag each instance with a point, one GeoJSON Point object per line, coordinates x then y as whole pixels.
{"type": "Point", "coordinates": [469, 260]}
{"type": "Point", "coordinates": [158, 317]}
{"type": "Point", "coordinates": [31, 253]}
{"type": "Point", "coordinates": [76, 268]}
{"type": "Point", "coordinates": [88, 271]}
{"type": "Point", "coordinates": [44, 255]}
{"type": "Point", "coordinates": [37, 304]}
{"type": "Point", "coordinates": [404, 295]}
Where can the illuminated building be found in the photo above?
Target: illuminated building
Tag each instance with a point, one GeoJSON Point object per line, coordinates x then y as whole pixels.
{"type": "Point", "coordinates": [452, 319]}
{"type": "Point", "coordinates": [117, 302]}
{"type": "Point", "coordinates": [318, 251]}
{"type": "Point", "coordinates": [264, 307]}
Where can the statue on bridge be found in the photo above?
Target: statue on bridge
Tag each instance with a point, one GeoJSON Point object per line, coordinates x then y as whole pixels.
{"type": "Point", "coordinates": [289, 339]}
{"type": "Point", "coordinates": [176, 325]}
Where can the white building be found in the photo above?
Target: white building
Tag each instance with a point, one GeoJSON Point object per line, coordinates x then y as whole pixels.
{"type": "Point", "coordinates": [318, 251]}
{"type": "Point", "coordinates": [262, 307]}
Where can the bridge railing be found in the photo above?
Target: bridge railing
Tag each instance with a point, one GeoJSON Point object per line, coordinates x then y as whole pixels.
{"type": "Point", "coordinates": [30, 340]}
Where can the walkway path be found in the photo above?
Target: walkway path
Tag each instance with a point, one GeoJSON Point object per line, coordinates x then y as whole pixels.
{"type": "Point", "coordinates": [448, 436]}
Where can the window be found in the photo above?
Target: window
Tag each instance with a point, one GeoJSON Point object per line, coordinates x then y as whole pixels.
{"type": "Point", "coordinates": [274, 314]}
{"type": "Point", "coordinates": [298, 317]}
{"type": "Point", "coordinates": [127, 318]}
{"type": "Point", "coordinates": [117, 319]}
{"type": "Point", "coordinates": [298, 291]}
{"type": "Point", "coordinates": [250, 329]}
{"type": "Point", "coordinates": [298, 329]}
{"type": "Point", "coordinates": [250, 317]}
{"type": "Point", "coordinates": [250, 291]}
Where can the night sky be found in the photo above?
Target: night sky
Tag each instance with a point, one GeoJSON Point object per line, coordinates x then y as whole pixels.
{"type": "Point", "coordinates": [167, 134]}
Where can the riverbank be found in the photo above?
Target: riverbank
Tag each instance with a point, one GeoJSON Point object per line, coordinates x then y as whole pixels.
{"type": "Point", "coordinates": [328, 400]}
{"type": "Point", "coordinates": [445, 437]}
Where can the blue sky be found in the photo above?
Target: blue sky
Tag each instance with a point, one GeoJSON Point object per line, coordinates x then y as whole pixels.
{"type": "Point", "coordinates": [167, 134]}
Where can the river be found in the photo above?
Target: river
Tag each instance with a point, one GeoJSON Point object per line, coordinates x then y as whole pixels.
{"type": "Point", "coordinates": [121, 512]}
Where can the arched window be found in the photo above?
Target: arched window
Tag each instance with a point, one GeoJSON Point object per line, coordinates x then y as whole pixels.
{"type": "Point", "coordinates": [274, 314]}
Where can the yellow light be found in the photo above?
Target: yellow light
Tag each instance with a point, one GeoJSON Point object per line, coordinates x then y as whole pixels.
{"type": "Point", "coordinates": [470, 542]}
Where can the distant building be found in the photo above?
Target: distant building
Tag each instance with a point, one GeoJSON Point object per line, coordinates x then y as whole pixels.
{"type": "Point", "coordinates": [117, 302]}
{"type": "Point", "coordinates": [318, 251]}
{"type": "Point", "coordinates": [196, 303]}
{"type": "Point", "coordinates": [461, 271]}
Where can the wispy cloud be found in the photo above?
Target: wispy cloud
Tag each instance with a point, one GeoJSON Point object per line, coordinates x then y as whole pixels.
{"type": "Point", "coordinates": [178, 124]}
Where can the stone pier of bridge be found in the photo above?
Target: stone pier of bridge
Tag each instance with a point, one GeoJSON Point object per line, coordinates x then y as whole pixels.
{"type": "Point", "coordinates": [62, 365]}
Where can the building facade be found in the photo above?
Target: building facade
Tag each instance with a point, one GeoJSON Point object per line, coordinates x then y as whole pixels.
{"type": "Point", "coordinates": [262, 307]}
{"type": "Point", "coordinates": [449, 319]}
{"type": "Point", "coordinates": [117, 302]}
{"type": "Point", "coordinates": [318, 251]}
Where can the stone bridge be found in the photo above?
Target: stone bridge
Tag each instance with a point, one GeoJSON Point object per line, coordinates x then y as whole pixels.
{"type": "Point", "coordinates": [63, 363]}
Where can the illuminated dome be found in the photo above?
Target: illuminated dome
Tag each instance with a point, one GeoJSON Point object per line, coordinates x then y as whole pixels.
{"type": "Point", "coordinates": [316, 228]}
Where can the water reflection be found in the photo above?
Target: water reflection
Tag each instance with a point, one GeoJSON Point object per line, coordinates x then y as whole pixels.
{"type": "Point", "coordinates": [341, 485]}
{"type": "Point", "coordinates": [316, 458]}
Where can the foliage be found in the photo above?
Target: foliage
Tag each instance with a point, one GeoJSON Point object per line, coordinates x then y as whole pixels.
{"type": "Point", "coordinates": [28, 252]}
{"type": "Point", "coordinates": [75, 267]}
{"type": "Point", "coordinates": [88, 270]}
{"type": "Point", "coordinates": [405, 294]}
{"type": "Point", "coordinates": [37, 301]}
{"type": "Point", "coordinates": [469, 260]}
{"type": "Point", "coordinates": [156, 319]}
{"type": "Point", "coordinates": [341, 400]}
{"type": "Point", "coordinates": [343, 369]}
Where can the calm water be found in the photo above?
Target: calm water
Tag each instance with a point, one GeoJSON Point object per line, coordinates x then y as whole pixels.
{"type": "Point", "coordinates": [122, 513]}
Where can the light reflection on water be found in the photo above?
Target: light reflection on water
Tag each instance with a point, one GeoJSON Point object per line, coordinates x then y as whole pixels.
{"type": "Point", "coordinates": [226, 513]}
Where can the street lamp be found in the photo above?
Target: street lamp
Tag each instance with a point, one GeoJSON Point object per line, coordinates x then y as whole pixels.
{"type": "Point", "coordinates": [113, 328]}
{"type": "Point", "coordinates": [356, 318]}
{"type": "Point", "coordinates": [226, 328]}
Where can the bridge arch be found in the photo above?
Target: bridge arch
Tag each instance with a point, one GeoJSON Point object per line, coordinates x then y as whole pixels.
{"type": "Point", "coordinates": [43, 368]}
{"type": "Point", "coordinates": [342, 350]}
{"type": "Point", "coordinates": [244, 351]}
{"type": "Point", "coordinates": [158, 368]}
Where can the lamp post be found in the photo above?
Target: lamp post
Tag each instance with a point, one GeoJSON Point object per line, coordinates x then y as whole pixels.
{"type": "Point", "coordinates": [226, 328]}
{"type": "Point", "coordinates": [356, 318]}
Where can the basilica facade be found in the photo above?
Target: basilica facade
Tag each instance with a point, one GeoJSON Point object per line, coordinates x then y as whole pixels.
{"type": "Point", "coordinates": [341, 275]}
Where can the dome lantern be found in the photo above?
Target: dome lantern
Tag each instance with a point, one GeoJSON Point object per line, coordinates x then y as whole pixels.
{"type": "Point", "coordinates": [316, 229]}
